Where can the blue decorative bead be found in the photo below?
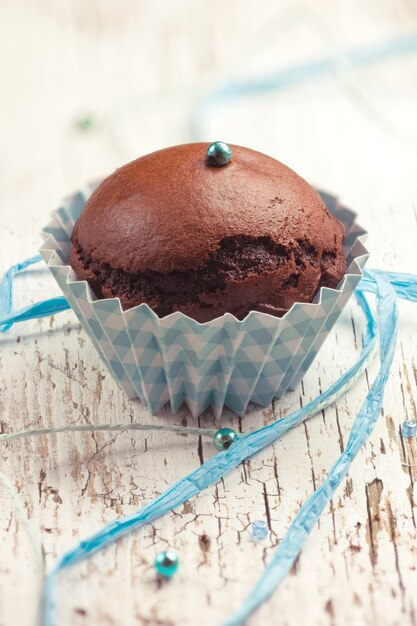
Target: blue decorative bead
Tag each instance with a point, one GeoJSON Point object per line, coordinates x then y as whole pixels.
{"type": "Point", "coordinates": [224, 438]}
{"type": "Point", "coordinates": [219, 153]}
{"type": "Point", "coordinates": [166, 563]}
{"type": "Point", "coordinates": [409, 428]}
{"type": "Point", "coordinates": [259, 530]}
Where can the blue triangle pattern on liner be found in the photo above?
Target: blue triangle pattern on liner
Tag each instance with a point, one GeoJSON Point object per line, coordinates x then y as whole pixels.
{"type": "Point", "coordinates": [284, 353]}
{"type": "Point", "coordinates": [175, 369]}
{"type": "Point", "coordinates": [261, 337]}
{"type": "Point", "coordinates": [317, 331]}
{"type": "Point", "coordinates": [171, 335]}
{"type": "Point", "coordinates": [121, 340]}
{"type": "Point", "coordinates": [80, 297]}
{"type": "Point", "coordinates": [318, 340]}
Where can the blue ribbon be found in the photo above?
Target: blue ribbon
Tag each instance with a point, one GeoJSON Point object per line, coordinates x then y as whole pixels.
{"type": "Point", "coordinates": [34, 311]}
{"type": "Point", "coordinates": [296, 74]}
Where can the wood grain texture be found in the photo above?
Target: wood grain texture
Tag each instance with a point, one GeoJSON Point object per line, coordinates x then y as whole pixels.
{"type": "Point", "coordinates": [138, 69]}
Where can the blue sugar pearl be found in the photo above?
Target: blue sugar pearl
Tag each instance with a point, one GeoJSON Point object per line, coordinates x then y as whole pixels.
{"type": "Point", "coordinates": [409, 428]}
{"type": "Point", "coordinates": [219, 153]}
{"type": "Point", "coordinates": [166, 563]}
{"type": "Point", "coordinates": [224, 438]}
{"type": "Point", "coordinates": [259, 530]}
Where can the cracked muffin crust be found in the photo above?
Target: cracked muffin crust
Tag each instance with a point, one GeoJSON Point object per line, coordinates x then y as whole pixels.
{"type": "Point", "coordinates": [170, 230]}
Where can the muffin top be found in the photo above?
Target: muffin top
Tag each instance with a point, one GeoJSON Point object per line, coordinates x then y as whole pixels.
{"type": "Point", "coordinates": [185, 235]}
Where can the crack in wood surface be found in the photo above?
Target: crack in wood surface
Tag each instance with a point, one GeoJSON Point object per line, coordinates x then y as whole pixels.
{"type": "Point", "coordinates": [374, 526]}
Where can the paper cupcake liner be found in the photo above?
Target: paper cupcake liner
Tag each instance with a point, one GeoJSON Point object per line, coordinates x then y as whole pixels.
{"type": "Point", "coordinates": [224, 362]}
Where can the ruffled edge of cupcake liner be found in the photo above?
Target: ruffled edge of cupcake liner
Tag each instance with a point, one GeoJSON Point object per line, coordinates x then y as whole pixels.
{"type": "Point", "coordinates": [223, 362]}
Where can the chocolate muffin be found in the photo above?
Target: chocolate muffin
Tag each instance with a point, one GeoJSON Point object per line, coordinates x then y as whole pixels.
{"type": "Point", "coordinates": [175, 231]}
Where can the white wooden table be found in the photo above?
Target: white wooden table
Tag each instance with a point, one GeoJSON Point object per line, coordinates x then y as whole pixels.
{"type": "Point", "coordinates": [355, 134]}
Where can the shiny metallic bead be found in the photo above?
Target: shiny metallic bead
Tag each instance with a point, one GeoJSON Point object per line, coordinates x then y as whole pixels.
{"type": "Point", "coordinates": [224, 438]}
{"type": "Point", "coordinates": [409, 428]}
{"type": "Point", "coordinates": [259, 530]}
{"type": "Point", "coordinates": [219, 153]}
{"type": "Point", "coordinates": [166, 563]}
